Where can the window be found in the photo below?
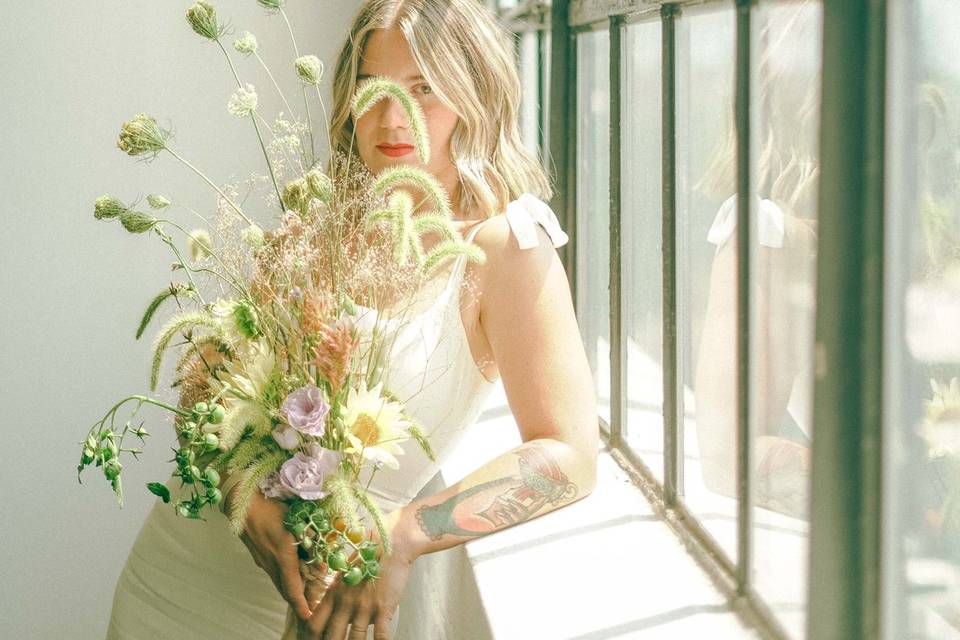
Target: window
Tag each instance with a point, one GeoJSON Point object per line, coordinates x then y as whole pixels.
{"type": "Point", "coordinates": [642, 231]}
{"type": "Point", "coordinates": [790, 387]}
{"type": "Point", "coordinates": [922, 350]}
{"type": "Point", "coordinates": [593, 210]}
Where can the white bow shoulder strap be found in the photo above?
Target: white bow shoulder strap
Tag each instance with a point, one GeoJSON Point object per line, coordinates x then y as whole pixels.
{"type": "Point", "coordinates": [525, 212]}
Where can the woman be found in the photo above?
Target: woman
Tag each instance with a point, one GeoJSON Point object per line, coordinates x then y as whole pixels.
{"type": "Point", "coordinates": [520, 327]}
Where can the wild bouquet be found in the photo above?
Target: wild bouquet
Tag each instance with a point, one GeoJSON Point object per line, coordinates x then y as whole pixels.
{"type": "Point", "coordinates": [281, 370]}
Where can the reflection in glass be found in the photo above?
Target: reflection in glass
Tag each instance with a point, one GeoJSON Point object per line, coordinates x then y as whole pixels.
{"type": "Point", "coordinates": [785, 127]}
{"type": "Point", "coordinates": [593, 211]}
{"type": "Point", "coordinates": [641, 241]}
{"type": "Point", "coordinates": [922, 351]}
{"type": "Point", "coordinates": [706, 295]}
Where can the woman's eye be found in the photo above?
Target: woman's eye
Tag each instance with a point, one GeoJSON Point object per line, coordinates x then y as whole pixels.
{"type": "Point", "coordinates": [425, 89]}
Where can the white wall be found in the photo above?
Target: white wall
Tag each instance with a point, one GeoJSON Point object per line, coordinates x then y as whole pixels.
{"type": "Point", "coordinates": [73, 288]}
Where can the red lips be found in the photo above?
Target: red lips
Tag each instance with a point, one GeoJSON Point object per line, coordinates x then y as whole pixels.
{"type": "Point", "coordinates": [395, 150]}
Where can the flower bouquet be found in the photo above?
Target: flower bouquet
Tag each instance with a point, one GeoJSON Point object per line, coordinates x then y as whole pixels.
{"type": "Point", "coordinates": [281, 371]}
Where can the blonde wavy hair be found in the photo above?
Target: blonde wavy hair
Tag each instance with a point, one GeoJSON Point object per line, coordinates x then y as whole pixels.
{"type": "Point", "coordinates": [467, 58]}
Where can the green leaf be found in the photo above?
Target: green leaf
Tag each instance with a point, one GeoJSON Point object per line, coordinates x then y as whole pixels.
{"type": "Point", "coordinates": [159, 489]}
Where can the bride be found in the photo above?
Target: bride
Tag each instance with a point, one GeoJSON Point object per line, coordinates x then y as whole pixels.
{"type": "Point", "coordinates": [188, 581]}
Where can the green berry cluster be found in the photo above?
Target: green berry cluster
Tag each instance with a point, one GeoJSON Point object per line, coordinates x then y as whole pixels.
{"type": "Point", "coordinates": [204, 483]}
{"type": "Point", "coordinates": [325, 539]}
{"type": "Point", "coordinates": [102, 448]}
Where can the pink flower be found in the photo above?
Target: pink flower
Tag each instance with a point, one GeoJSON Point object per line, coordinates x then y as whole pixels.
{"type": "Point", "coordinates": [287, 437]}
{"type": "Point", "coordinates": [306, 410]}
{"type": "Point", "coordinates": [303, 474]}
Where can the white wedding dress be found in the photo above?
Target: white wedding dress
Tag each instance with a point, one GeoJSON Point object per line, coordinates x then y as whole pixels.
{"type": "Point", "coordinates": [191, 580]}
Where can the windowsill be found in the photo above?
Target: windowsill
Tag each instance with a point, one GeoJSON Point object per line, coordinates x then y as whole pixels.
{"type": "Point", "coordinates": [604, 567]}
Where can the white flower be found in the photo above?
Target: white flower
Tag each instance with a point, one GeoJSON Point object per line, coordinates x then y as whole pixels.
{"type": "Point", "coordinates": [374, 425]}
{"type": "Point", "coordinates": [246, 44]}
{"type": "Point", "coordinates": [243, 102]}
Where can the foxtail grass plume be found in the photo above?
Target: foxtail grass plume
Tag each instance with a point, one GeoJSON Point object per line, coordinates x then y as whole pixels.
{"type": "Point", "coordinates": [157, 201]}
{"type": "Point", "coordinates": [243, 102]}
{"type": "Point", "coordinates": [141, 134]}
{"type": "Point", "coordinates": [309, 68]}
{"type": "Point", "coordinates": [203, 20]}
{"type": "Point", "coordinates": [375, 89]}
{"type": "Point", "coordinates": [136, 222]}
{"type": "Point", "coordinates": [108, 207]}
{"type": "Point", "coordinates": [253, 236]}
{"type": "Point", "coordinates": [412, 176]}
{"type": "Point", "coordinates": [321, 186]}
{"type": "Point", "coordinates": [199, 244]}
{"type": "Point", "coordinates": [246, 44]}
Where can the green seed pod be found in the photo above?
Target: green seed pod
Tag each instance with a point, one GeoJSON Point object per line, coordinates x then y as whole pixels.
{"type": "Point", "coordinates": [298, 529]}
{"type": "Point", "coordinates": [337, 561]}
{"type": "Point", "coordinates": [210, 441]}
{"type": "Point", "coordinates": [136, 222]}
{"type": "Point", "coordinates": [214, 496]}
{"type": "Point", "coordinates": [188, 430]}
{"type": "Point", "coordinates": [217, 414]}
{"type": "Point", "coordinates": [202, 18]}
{"type": "Point", "coordinates": [307, 544]}
{"type": "Point", "coordinates": [368, 552]}
{"type": "Point", "coordinates": [183, 510]}
{"type": "Point", "coordinates": [88, 456]}
{"type": "Point", "coordinates": [373, 569]}
{"type": "Point", "coordinates": [201, 408]}
{"type": "Point", "coordinates": [353, 577]}
{"type": "Point", "coordinates": [211, 477]}
{"type": "Point", "coordinates": [108, 207]}
{"type": "Point", "coordinates": [112, 469]}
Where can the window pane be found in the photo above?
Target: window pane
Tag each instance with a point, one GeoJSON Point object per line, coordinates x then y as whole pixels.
{"type": "Point", "coordinates": [706, 285]}
{"type": "Point", "coordinates": [922, 351]}
{"type": "Point", "coordinates": [593, 209]}
{"type": "Point", "coordinates": [641, 217]}
{"type": "Point", "coordinates": [785, 134]}
{"type": "Point", "coordinates": [529, 50]}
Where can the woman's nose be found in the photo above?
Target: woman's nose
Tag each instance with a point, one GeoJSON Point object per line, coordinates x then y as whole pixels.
{"type": "Point", "coordinates": [392, 115]}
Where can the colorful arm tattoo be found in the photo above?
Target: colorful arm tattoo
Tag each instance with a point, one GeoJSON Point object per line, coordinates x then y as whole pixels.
{"type": "Point", "coordinates": [500, 503]}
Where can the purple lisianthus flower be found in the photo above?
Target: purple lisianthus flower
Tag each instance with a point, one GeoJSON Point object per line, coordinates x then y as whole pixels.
{"type": "Point", "coordinates": [306, 410]}
{"type": "Point", "coordinates": [303, 474]}
{"type": "Point", "coordinates": [286, 436]}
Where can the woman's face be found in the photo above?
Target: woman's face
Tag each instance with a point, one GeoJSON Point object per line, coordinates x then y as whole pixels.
{"type": "Point", "coordinates": [383, 134]}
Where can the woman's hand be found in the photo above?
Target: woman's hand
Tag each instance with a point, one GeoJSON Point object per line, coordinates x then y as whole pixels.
{"type": "Point", "coordinates": [372, 602]}
{"type": "Point", "coordinates": [274, 549]}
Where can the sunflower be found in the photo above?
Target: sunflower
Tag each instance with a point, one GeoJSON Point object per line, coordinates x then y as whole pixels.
{"type": "Point", "coordinates": [374, 425]}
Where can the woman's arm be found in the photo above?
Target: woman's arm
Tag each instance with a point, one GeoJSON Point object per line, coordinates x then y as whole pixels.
{"type": "Point", "coordinates": [527, 315]}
